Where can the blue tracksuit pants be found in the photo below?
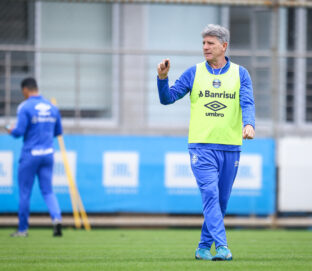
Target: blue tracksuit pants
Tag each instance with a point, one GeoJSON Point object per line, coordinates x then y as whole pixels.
{"type": "Point", "coordinates": [215, 172]}
{"type": "Point", "coordinates": [29, 167]}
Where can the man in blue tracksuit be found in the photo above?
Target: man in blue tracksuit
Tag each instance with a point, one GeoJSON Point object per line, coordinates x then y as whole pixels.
{"type": "Point", "coordinates": [38, 122]}
{"type": "Point", "coordinates": [222, 113]}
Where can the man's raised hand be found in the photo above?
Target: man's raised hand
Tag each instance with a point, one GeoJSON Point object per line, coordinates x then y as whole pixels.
{"type": "Point", "coordinates": [163, 68]}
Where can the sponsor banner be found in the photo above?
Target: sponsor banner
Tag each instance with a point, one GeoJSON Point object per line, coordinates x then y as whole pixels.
{"type": "Point", "coordinates": [6, 172]}
{"type": "Point", "coordinates": [60, 179]}
{"type": "Point", "coordinates": [120, 172]}
{"type": "Point", "coordinates": [59, 173]}
{"type": "Point", "coordinates": [6, 165]}
{"type": "Point", "coordinates": [178, 172]}
{"type": "Point", "coordinates": [249, 175]}
{"type": "Point", "coordinates": [179, 178]}
{"type": "Point", "coordinates": [143, 174]}
{"type": "Point", "coordinates": [9, 157]}
{"type": "Point", "coordinates": [120, 169]}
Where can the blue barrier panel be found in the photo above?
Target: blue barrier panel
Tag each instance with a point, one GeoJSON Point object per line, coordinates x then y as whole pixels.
{"type": "Point", "coordinates": [140, 174]}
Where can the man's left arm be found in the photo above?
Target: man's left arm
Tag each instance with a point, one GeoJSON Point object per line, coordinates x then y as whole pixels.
{"type": "Point", "coordinates": [58, 129]}
{"type": "Point", "coordinates": [247, 104]}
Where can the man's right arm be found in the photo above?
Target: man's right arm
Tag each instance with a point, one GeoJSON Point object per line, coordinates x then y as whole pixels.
{"type": "Point", "coordinates": [22, 122]}
{"type": "Point", "coordinates": [180, 88]}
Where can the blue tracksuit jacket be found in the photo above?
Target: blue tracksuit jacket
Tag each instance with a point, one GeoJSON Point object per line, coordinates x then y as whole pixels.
{"type": "Point", "coordinates": [38, 121]}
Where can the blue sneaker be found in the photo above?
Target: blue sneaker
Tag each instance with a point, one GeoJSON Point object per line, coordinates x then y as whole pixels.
{"type": "Point", "coordinates": [223, 254]}
{"type": "Point", "coordinates": [203, 254]}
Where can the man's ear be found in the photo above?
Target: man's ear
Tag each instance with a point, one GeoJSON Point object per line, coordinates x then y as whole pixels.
{"type": "Point", "coordinates": [224, 45]}
{"type": "Point", "coordinates": [25, 92]}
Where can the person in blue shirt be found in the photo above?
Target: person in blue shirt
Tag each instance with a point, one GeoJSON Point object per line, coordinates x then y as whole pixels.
{"type": "Point", "coordinates": [222, 114]}
{"type": "Point", "coordinates": [38, 122]}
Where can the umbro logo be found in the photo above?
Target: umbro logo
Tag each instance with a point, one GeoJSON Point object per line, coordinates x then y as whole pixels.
{"type": "Point", "coordinates": [44, 109]}
{"type": "Point", "coordinates": [215, 106]}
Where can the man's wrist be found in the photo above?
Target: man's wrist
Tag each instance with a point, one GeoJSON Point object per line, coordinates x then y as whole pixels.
{"type": "Point", "coordinates": [162, 77]}
{"type": "Point", "coordinates": [252, 125]}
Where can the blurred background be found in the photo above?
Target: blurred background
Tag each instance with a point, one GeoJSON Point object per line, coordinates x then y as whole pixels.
{"type": "Point", "coordinates": [128, 153]}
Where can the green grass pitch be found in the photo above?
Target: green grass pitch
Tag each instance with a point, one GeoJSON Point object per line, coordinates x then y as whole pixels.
{"type": "Point", "coordinates": [147, 249]}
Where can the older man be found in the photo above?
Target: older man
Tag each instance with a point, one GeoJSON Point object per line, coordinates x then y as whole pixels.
{"type": "Point", "coordinates": [222, 114]}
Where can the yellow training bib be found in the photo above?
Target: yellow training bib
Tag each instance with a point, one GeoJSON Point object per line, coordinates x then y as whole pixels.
{"type": "Point", "coordinates": [216, 115]}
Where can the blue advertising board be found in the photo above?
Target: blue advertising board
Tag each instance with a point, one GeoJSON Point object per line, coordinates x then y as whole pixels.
{"type": "Point", "coordinates": [143, 174]}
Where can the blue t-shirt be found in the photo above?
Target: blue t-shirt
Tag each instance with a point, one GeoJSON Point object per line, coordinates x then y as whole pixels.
{"type": "Point", "coordinates": [184, 85]}
{"type": "Point", "coordinates": [38, 121]}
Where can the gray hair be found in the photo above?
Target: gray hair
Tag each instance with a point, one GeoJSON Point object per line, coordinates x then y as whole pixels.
{"type": "Point", "coordinates": [218, 31]}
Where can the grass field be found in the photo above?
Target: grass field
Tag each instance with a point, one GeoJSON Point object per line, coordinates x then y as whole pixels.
{"type": "Point", "coordinates": [136, 249]}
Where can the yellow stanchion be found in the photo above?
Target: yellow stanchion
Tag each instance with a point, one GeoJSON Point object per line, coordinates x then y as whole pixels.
{"type": "Point", "coordinates": [76, 201]}
{"type": "Point", "coordinates": [71, 184]}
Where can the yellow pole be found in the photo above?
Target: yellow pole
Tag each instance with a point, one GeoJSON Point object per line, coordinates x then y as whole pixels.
{"type": "Point", "coordinates": [71, 183]}
{"type": "Point", "coordinates": [83, 213]}
{"type": "Point", "coordinates": [74, 194]}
